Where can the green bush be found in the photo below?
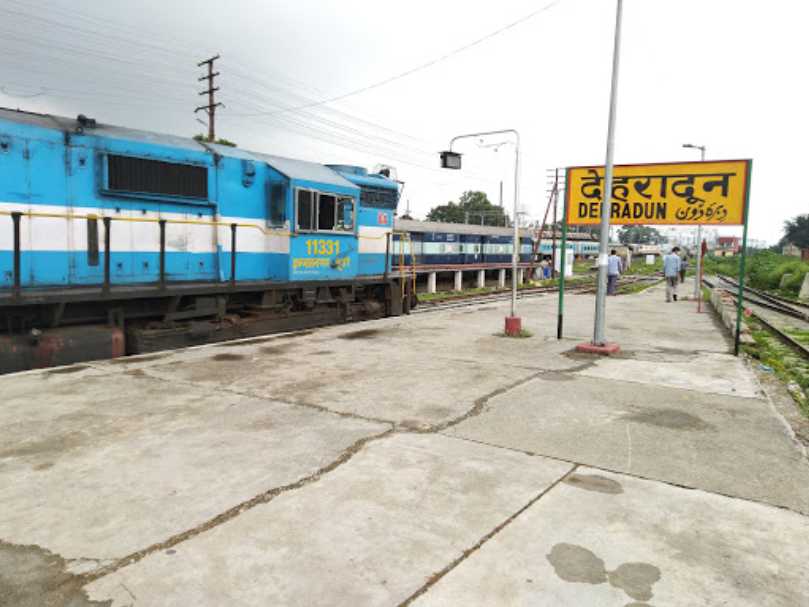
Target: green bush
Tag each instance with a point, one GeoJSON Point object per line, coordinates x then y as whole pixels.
{"type": "Point", "coordinates": [764, 270]}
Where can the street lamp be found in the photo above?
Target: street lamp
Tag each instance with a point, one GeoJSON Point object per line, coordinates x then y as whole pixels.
{"type": "Point", "coordinates": [697, 285]}
{"type": "Point", "coordinates": [452, 160]}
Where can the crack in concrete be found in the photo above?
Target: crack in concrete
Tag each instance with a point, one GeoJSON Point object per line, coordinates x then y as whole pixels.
{"type": "Point", "coordinates": [556, 458]}
{"type": "Point", "coordinates": [271, 494]}
{"type": "Point", "coordinates": [247, 393]}
{"type": "Point", "coordinates": [478, 407]}
{"type": "Point", "coordinates": [233, 512]}
{"type": "Point", "coordinates": [437, 576]}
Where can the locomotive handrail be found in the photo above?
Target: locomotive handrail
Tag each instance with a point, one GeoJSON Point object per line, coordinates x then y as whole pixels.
{"type": "Point", "coordinates": [227, 224]}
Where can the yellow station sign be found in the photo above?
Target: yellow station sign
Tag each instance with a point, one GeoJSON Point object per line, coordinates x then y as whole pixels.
{"type": "Point", "coordinates": [686, 193]}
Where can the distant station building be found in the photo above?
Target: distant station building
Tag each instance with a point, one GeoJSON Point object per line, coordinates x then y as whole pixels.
{"type": "Point", "coordinates": [727, 246]}
{"type": "Point", "coordinates": [793, 250]}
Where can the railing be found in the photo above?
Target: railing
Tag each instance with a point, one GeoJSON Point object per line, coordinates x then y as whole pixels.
{"type": "Point", "coordinates": [16, 219]}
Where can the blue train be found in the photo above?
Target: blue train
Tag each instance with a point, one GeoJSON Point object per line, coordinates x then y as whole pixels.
{"type": "Point", "coordinates": [115, 240]}
{"type": "Point", "coordinates": [449, 245]}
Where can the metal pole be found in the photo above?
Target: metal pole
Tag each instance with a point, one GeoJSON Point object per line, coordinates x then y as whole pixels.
{"type": "Point", "coordinates": [601, 294]}
{"type": "Point", "coordinates": [553, 225]}
{"type": "Point", "coordinates": [697, 281]}
{"type": "Point", "coordinates": [740, 297]}
{"type": "Point", "coordinates": [16, 216]}
{"type": "Point", "coordinates": [516, 253]}
{"type": "Point", "coordinates": [562, 257]}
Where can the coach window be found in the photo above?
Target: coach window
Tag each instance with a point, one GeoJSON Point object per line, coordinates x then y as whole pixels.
{"type": "Point", "coordinates": [306, 210]}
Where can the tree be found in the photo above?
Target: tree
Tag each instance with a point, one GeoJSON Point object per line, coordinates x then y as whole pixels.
{"type": "Point", "coordinates": [640, 235]}
{"type": "Point", "coordinates": [220, 141]}
{"type": "Point", "coordinates": [796, 231]}
{"type": "Point", "coordinates": [472, 207]}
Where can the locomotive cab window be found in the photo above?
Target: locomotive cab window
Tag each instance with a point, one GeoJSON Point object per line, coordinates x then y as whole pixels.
{"type": "Point", "coordinates": [326, 212]}
{"type": "Point", "coordinates": [345, 214]}
{"type": "Point", "coordinates": [306, 210]}
{"type": "Point", "coordinates": [277, 213]}
{"type": "Point", "coordinates": [322, 212]}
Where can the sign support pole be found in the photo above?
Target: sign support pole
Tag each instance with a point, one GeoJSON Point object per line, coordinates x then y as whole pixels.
{"type": "Point", "coordinates": [562, 267]}
{"type": "Point", "coordinates": [740, 296]}
{"type": "Point", "coordinates": [599, 340]}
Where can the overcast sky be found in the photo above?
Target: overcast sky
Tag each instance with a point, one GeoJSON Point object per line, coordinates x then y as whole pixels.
{"type": "Point", "coordinates": [728, 74]}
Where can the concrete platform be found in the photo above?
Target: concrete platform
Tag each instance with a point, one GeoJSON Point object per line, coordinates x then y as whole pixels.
{"type": "Point", "coordinates": [422, 460]}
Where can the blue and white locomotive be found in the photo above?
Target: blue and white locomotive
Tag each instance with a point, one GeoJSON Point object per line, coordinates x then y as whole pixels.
{"type": "Point", "coordinates": [165, 240]}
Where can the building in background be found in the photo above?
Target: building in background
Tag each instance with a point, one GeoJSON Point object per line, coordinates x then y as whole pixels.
{"type": "Point", "coordinates": [727, 246]}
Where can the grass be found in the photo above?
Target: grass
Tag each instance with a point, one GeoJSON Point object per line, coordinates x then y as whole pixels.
{"type": "Point", "coordinates": [765, 270]}
{"type": "Point", "coordinates": [799, 335]}
{"type": "Point", "coordinates": [786, 364]}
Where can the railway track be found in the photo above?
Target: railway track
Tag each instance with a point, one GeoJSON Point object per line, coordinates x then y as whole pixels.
{"type": "Point", "coordinates": [472, 300]}
{"type": "Point", "coordinates": [771, 302]}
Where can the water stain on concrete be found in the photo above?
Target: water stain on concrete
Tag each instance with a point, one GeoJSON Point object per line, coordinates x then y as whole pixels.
{"type": "Point", "coordinates": [636, 579]}
{"type": "Point", "coordinates": [31, 576]}
{"type": "Point", "coordinates": [279, 349]}
{"type": "Point", "coordinates": [227, 357]}
{"type": "Point", "coordinates": [52, 445]}
{"type": "Point", "coordinates": [594, 482]}
{"type": "Point", "coordinates": [673, 419]}
{"type": "Point", "coordinates": [577, 564]}
{"type": "Point", "coordinates": [361, 334]}
{"type": "Point", "coordinates": [66, 370]}
{"type": "Point", "coordinates": [145, 358]}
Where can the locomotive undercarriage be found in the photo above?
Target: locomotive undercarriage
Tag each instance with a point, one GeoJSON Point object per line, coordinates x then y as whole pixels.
{"type": "Point", "coordinates": [44, 328]}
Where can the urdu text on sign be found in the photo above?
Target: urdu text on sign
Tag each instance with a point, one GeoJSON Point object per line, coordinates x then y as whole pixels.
{"type": "Point", "coordinates": [688, 193]}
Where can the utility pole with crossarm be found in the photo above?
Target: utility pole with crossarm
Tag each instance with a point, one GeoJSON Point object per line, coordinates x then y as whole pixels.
{"type": "Point", "coordinates": [210, 109]}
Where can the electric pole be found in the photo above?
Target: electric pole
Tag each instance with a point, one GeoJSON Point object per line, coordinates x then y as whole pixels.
{"type": "Point", "coordinates": [210, 109]}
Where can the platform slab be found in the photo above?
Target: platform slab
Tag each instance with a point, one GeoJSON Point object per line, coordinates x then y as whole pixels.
{"type": "Point", "coordinates": [608, 539]}
{"type": "Point", "coordinates": [353, 465]}
{"type": "Point", "coordinates": [371, 533]}
{"type": "Point", "coordinates": [697, 439]}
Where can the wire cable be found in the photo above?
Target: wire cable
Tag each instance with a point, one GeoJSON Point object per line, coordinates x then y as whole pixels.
{"type": "Point", "coordinates": [420, 67]}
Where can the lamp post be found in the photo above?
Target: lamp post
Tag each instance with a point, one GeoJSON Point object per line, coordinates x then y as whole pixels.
{"type": "Point", "coordinates": [452, 160]}
{"type": "Point", "coordinates": [599, 343]}
{"type": "Point", "coordinates": [697, 285]}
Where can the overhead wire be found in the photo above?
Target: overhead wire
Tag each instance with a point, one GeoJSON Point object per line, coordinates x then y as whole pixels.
{"type": "Point", "coordinates": [421, 66]}
{"type": "Point", "coordinates": [360, 141]}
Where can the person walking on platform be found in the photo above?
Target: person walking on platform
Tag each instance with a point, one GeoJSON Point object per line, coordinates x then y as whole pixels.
{"type": "Point", "coordinates": [683, 268]}
{"type": "Point", "coordinates": [614, 269]}
{"type": "Point", "coordinates": [671, 271]}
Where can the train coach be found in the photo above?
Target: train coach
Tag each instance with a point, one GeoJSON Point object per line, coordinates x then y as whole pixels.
{"type": "Point", "coordinates": [434, 244]}
{"type": "Point", "coordinates": [114, 240]}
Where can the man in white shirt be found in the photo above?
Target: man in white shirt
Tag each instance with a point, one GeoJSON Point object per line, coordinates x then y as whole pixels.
{"type": "Point", "coordinates": [671, 271]}
{"type": "Point", "coordinates": [614, 269]}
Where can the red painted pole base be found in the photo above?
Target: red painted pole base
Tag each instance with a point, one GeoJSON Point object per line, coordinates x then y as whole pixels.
{"type": "Point", "coordinates": [513, 326]}
{"type": "Point", "coordinates": [603, 349]}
